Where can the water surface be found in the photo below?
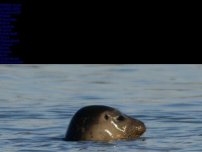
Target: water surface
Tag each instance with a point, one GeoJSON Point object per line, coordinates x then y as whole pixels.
{"type": "Point", "coordinates": [38, 101]}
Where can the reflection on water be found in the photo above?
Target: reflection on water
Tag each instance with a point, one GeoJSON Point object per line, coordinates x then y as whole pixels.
{"type": "Point", "coordinates": [38, 101]}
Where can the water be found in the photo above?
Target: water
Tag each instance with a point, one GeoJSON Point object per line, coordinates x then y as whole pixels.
{"type": "Point", "coordinates": [38, 101]}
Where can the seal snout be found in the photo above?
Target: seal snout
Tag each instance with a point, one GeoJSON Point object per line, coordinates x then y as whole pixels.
{"type": "Point", "coordinates": [140, 127]}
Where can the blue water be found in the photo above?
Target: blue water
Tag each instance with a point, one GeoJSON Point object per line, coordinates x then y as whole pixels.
{"type": "Point", "coordinates": [38, 101]}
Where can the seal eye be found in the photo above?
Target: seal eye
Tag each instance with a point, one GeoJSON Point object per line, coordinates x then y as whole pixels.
{"type": "Point", "coordinates": [106, 117]}
{"type": "Point", "coordinates": [120, 118]}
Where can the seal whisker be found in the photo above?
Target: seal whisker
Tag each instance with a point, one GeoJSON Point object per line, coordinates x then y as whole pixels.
{"type": "Point", "coordinates": [109, 133]}
{"type": "Point", "coordinates": [116, 126]}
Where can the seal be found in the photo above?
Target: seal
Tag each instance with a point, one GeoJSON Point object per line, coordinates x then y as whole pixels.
{"type": "Point", "coordinates": [103, 123]}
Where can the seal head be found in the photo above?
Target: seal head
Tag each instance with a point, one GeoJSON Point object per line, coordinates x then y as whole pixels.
{"type": "Point", "coordinates": [103, 123]}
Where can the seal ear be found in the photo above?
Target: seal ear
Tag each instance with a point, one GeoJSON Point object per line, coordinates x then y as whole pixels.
{"type": "Point", "coordinates": [106, 116]}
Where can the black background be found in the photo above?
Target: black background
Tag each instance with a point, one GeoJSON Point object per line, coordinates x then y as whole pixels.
{"type": "Point", "coordinates": [62, 32]}
{"type": "Point", "coordinates": [37, 33]}
{"type": "Point", "coordinates": [58, 32]}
